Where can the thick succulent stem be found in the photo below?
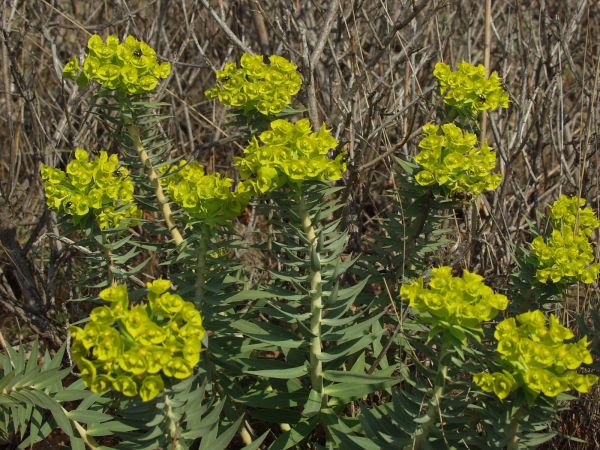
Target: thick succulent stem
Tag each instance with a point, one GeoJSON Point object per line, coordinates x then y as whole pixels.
{"type": "Point", "coordinates": [172, 422]}
{"type": "Point", "coordinates": [512, 438]}
{"type": "Point", "coordinates": [316, 299]}
{"type": "Point", "coordinates": [199, 291]}
{"type": "Point", "coordinates": [110, 276]}
{"type": "Point", "coordinates": [201, 266]}
{"type": "Point", "coordinates": [415, 229]}
{"type": "Point", "coordinates": [154, 177]}
{"type": "Point", "coordinates": [433, 407]}
{"type": "Point", "coordinates": [245, 435]}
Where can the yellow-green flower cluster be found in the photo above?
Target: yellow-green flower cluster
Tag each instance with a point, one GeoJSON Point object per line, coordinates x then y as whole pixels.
{"type": "Point", "coordinates": [291, 153]}
{"type": "Point", "coordinates": [572, 212]}
{"type": "Point", "coordinates": [469, 89]}
{"type": "Point", "coordinates": [536, 358]}
{"type": "Point", "coordinates": [131, 66]}
{"type": "Point", "coordinates": [204, 196]}
{"type": "Point", "coordinates": [98, 188]}
{"type": "Point", "coordinates": [568, 255]}
{"type": "Point", "coordinates": [454, 301]}
{"type": "Point", "coordinates": [452, 160]}
{"type": "Point", "coordinates": [131, 349]}
{"type": "Point", "coordinates": [256, 85]}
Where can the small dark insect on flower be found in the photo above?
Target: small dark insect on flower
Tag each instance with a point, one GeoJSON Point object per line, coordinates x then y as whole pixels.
{"type": "Point", "coordinates": [481, 97]}
{"type": "Point", "coordinates": [137, 53]}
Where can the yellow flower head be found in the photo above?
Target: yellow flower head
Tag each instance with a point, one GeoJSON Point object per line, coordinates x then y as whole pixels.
{"type": "Point", "coordinates": [571, 211]}
{"type": "Point", "coordinates": [567, 255]}
{"type": "Point", "coordinates": [451, 302]}
{"type": "Point", "coordinates": [453, 161]}
{"type": "Point", "coordinates": [97, 190]}
{"type": "Point", "coordinates": [469, 89]}
{"type": "Point", "coordinates": [130, 66]}
{"type": "Point", "coordinates": [536, 358]}
{"type": "Point", "coordinates": [291, 154]}
{"type": "Point", "coordinates": [208, 197]}
{"type": "Point", "coordinates": [131, 350]}
{"type": "Point", "coordinates": [267, 88]}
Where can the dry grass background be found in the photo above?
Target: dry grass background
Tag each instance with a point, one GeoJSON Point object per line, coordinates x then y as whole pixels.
{"type": "Point", "coordinates": [367, 69]}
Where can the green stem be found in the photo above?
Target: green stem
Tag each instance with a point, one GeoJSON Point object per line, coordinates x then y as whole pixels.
{"type": "Point", "coordinates": [89, 440]}
{"type": "Point", "coordinates": [201, 266]}
{"type": "Point", "coordinates": [316, 299]}
{"type": "Point", "coordinates": [415, 229]}
{"type": "Point", "coordinates": [200, 290]}
{"type": "Point", "coordinates": [172, 422]}
{"type": "Point", "coordinates": [110, 276]}
{"type": "Point", "coordinates": [154, 177]}
{"type": "Point", "coordinates": [433, 407]}
{"type": "Point", "coordinates": [512, 438]}
{"type": "Point", "coordinates": [245, 435]}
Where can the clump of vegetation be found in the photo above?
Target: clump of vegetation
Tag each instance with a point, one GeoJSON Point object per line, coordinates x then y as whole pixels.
{"type": "Point", "coordinates": [239, 302]}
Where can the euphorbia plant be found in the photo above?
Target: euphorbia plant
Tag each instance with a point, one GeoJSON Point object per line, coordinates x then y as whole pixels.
{"type": "Point", "coordinates": [289, 163]}
{"type": "Point", "coordinates": [455, 308]}
{"type": "Point", "coordinates": [454, 311]}
{"type": "Point", "coordinates": [132, 348]}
